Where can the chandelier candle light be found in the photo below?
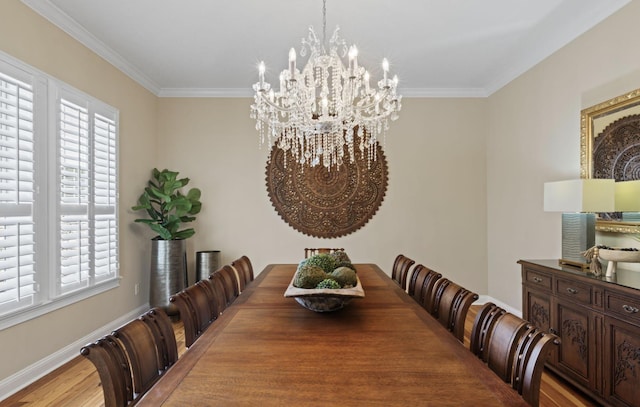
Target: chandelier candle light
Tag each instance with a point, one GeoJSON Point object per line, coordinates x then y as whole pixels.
{"type": "Point", "coordinates": [326, 108]}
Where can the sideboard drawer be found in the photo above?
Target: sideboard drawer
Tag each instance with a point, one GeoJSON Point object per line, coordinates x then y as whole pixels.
{"type": "Point", "coordinates": [623, 306]}
{"type": "Point", "coordinates": [574, 290]}
{"type": "Point", "coordinates": [538, 279]}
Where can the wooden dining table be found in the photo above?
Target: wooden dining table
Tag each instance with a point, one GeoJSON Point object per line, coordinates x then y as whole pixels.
{"type": "Point", "coordinates": [380, 350]}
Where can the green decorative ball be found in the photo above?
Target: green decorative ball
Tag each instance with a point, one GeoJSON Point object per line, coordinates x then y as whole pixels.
{"type": "Point", "coordinates": [345, 276]}
{"type": "Point", "coordinates": [323, 260]}
{"type": "Point", "coordinates": [308, 276]}
{"type": "Point", "coordinates": [328, 283]}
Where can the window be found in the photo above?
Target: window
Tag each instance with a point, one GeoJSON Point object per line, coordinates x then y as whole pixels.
{"type": "Point", "coordinates": [58, 194]}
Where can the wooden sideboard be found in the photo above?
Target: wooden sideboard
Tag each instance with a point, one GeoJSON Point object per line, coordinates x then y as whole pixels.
{"type": "Point", "coordinates": [598, 321]}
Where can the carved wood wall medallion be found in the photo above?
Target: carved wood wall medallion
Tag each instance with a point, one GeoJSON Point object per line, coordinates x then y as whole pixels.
{"type": "Point", "coordinates": [326, 203]}
{"type": "Point", "coordinates": [616, 151]}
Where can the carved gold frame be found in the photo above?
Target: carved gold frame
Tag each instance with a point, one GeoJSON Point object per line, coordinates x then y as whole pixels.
{"type": "Point", "coordinates": [602, 111]}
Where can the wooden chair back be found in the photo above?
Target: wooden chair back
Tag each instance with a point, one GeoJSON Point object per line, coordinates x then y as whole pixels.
{"type": "Point", "coordinates": [503, 342]}
{"type": "Point", "coordinates": [195, 311]}
{"type": "Point", "coordinates": [529, 365]}
{"type": "Point", "coordinates": [244, 269]}
{"type": "Point", "coordinates": [110, 360]}
{"type": "Point", "coordinates": [482, 326]}
{"type": "Point", "coordinates": [321, 250]}
{"type": "Point", "coordinates": [401, 266]}
{"type": "Point", "coordinates": [517, 351]}
{"type": "Point", "coordinates": [230, 281]}
{"type": "Point", "coordinates": [451, 305]}
{"type": "Point", "coordinates": [217, 284]}
{"type": "Point", "coordinates": [215, 298]}
{"type": "Point", "coordinates": [160, 325]}
{"type": "Point", "coordinates": [139, 344]}
{"type": "Point", "coordinates": [421, 284]}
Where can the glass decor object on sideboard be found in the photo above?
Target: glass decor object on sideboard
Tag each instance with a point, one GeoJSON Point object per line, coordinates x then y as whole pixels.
{"type": "Point", "coordinates": [579, 200]}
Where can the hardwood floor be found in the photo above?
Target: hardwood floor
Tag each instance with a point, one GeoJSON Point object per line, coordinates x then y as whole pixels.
{"type": "Point", "coordinates": [76, 384]}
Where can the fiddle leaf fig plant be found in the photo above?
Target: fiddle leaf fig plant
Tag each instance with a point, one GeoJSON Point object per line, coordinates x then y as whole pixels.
{"type": "Point", "coordinates": [167, 207]}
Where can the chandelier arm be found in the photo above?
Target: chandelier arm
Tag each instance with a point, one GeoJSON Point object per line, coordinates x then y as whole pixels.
{"type": "Point", "coordinates": [274, 105]}
{"type": "Point", "coordinates": [373, 103]}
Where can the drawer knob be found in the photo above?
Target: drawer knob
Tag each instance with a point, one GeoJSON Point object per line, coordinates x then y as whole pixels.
{"type": "Point", "coordinates": [630, 309]}
{"type": "Point", "coordinates": [537, 279]}
{"type": "Point", "coordinates": [572, 290]}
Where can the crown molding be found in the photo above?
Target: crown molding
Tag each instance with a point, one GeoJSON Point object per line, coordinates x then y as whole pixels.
{"type": "Point", "coordinates": [61, 20]}
{"type": "Point", "coordinates": [539, 45]}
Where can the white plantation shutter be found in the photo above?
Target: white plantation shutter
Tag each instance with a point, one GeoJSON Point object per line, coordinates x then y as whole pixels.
{"type": "Point", "coordinates": [74, 194]}
{"type": "Point", "coordinates": [88, 227]}
{"type": "Point", "coordinates": [105, 244]}
{"type": "Point", "coordinates": [17, 245]}
{"type": "Point", "coordinates": [58, 194]}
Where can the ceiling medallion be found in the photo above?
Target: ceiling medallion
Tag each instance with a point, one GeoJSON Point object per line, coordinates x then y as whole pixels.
{"type": "Point", "coordinates": [321, 202]}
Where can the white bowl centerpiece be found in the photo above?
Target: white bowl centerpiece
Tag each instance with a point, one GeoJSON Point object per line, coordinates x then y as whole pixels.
{"type": "Point", "coordinates": [616, 254]}
{"type": "Point", "coordinates": [325, 282]}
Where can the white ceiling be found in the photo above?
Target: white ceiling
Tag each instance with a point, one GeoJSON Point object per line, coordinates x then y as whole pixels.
{"type": "Point", "coordinates": [436, 47]}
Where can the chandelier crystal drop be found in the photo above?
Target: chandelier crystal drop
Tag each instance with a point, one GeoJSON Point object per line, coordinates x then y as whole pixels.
{"type": "Point", "coordinates": [328, 109]}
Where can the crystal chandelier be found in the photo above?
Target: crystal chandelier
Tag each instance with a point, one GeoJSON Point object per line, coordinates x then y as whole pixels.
{"type": "Point", "coordinates": [328, 109]}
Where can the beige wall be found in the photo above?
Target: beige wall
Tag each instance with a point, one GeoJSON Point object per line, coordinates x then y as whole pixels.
{"type": "Point", "coordinates": [434, 210]}
{"type": "Point", "coordinates": [28, 37]}
{"type": "Point", "coordinates": [534, 133]}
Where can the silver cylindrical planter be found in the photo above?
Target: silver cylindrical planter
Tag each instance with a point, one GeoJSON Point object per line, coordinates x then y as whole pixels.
{"type": "Point", "coordinates": [206, 263]}
{"type": "Point", "coordinates": [168, 272]}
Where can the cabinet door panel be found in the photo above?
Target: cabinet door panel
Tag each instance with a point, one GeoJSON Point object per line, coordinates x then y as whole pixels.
{"type": "Point", "coordinates": [622, 362]}
{"type": "Point", "coordinates": [576, 354]}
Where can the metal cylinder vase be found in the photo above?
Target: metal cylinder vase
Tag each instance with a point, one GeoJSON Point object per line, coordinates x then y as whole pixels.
{"type": "Point", "coordinates": [206, 263]}
{"type": "Point", "coordinates": [168, 272]}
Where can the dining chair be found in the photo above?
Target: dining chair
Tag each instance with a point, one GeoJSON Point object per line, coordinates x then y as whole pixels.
{"type": "Point", "coordinates": [215, 298]}
{"type": "Point", "coordinates": [531, 361]}
{"type": "Point", "coordinates": [401, 266]}
{"type": "Point", "coordinates": [195, 311]}
{"type": "Point", "coordinates": [451, 305]}
{"type": "Point", "coordinates": [421, 283]}
{"type": "Point", "coordinates": [217, 284]}
{"type": "Point", "coordinates": [162, 329]}
{"type": "Point", "coordinates": [244, 268]}
{"type": "Point", "coordinates": [321, 250]}
{"type": "Point", "coordinates": [502, 342]}
{"type": "Point", "coordinates": [482, 325]}
{"type": "Point", "coordinates": [517, 351]}
{"type": "Point", "coordinates": [110, 360]}
{"type": "Point", "coordinates": [230, 283]}
{"type": "Point", "coordinates": [139, 344]}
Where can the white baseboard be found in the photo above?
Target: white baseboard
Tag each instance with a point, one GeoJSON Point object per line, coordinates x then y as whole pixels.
{"type": "Point", "coordinates": [485, 299]}
{"type": "Point", "coordinates": [30, 374]}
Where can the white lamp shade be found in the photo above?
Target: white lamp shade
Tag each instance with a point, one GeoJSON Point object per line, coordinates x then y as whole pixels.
{"type": "Point", "coordinates": [580, 195]}
{"type": "Point", "coordinates": [628, 196]}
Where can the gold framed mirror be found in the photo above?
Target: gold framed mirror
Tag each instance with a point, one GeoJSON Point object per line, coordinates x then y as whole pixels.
{"type": "Point", "coordinates": [610, 148]}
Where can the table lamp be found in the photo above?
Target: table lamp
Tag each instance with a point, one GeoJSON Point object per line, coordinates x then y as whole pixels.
{"type": "Point", "coordinates": [628, 200]}
{"type": "Point", "coordinates": [578, 200]}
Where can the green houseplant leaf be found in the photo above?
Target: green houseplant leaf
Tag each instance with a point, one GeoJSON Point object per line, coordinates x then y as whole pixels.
{"type": "Point", "coordinates": [167, 207]}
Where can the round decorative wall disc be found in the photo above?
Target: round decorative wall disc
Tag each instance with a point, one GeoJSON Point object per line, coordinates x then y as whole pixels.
{"type": "Point", "coordinates": [325, 202]}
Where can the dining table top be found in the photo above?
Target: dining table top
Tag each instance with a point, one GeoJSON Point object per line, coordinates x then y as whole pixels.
{"type": "Point", "coordinates": [380, 350]}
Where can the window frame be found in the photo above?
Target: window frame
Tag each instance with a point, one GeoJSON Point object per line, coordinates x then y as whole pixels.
{"type": "Point", "coordinates": [48, 93]}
